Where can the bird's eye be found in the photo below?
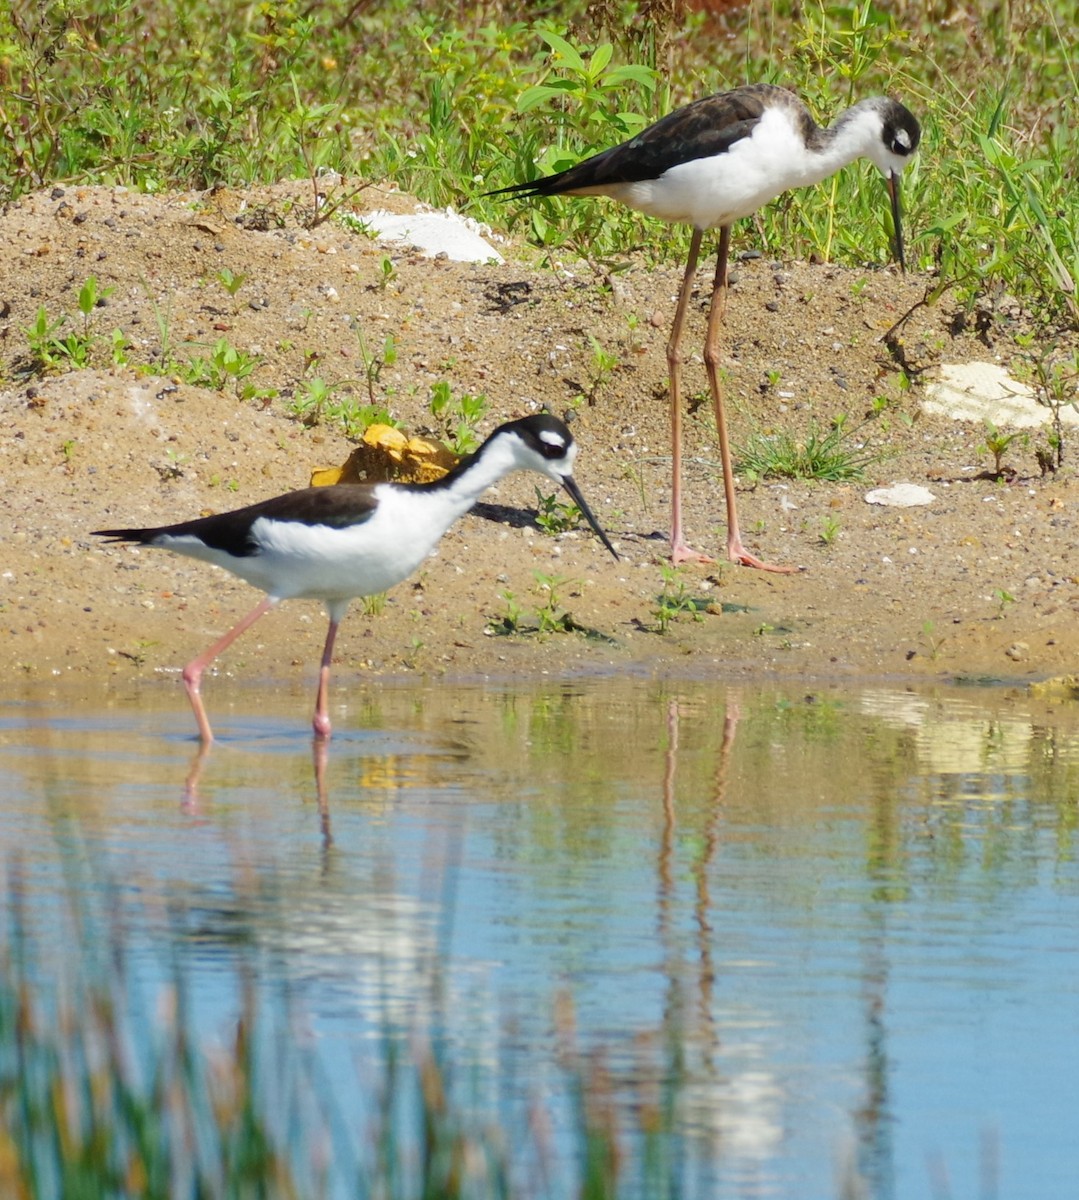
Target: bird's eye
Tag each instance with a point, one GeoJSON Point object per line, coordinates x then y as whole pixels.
{"type": "Point", "coordinates": [900, 140]}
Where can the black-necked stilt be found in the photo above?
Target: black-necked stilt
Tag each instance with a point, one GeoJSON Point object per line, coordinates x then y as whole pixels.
{"type": "Point", "coordinates": [336, 543]}
{"type": "Point", "coordinates": [706, 165]}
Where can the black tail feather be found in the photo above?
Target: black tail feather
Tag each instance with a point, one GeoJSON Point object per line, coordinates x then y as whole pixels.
{"type": "Point", "coordinates": [534, 187]}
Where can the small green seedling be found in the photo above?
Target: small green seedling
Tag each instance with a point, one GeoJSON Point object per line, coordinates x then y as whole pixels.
{"type": "Point", "coordinates": [458, 416]}
{"type": "Point", "coordinates": [373, 605]}
{"type": "Point", "coordinates": [1003, 599]}
{"type": "Point", "coordinates": [551, 615]}
{"type": "Point", "coordinates": [387, 272]}
{"type": "Point", "coordinates": [91, 297]}
{"type": "Point", "coordinates": [42, 337]}
{"type": "Point", "coordinates": [119, 344]}
{"type": "Point", "coordinates": [230, 280]}
{"type": "Point", "coordinates": [829, 530]}
{"type": "Point", "coordinates": [554, 516]}
{"type": "Point", "coordinates": [224, 364]}
{"type": "Point", "coordinates": [674, 600]}
{"type": "Point", "coordinates": [509, 622]}
{"type": "Point", "coordinates": [997, 443]}
{"type": "Point", "coordinates": [931, 640]}
{"type": "Point", "coordinates": [601, 367]}
{"type": "Point", "coordinates": [374, 361]}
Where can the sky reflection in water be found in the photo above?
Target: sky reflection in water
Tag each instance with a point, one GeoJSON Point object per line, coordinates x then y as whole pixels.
{"type": "Point", "coordinates": [856, 913]}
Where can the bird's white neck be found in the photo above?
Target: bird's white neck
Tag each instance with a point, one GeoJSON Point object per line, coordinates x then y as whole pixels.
{"type": "Point", "coordinates": [458, 492]}
{"type": "Point", "coordinates": [855, 134]}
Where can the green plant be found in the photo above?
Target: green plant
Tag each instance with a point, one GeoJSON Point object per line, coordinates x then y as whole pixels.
{"type": "Point", "coordinates": [314, 401]}
{"type": "Point", "coordinates": [458, 417]}
{"type": "Point", "coordinates": [172, 467]}
{"type": "Point", "coordinates": [387, 272]}
{"type": "Point", "coordinates": [829, 531]}
{"type": "Point", "coordinates": [635, 474]}
{"type": "Point", "coordinates": [373, 605]}
{"type": "Point", "coordinates": [1003, 599]}
{"type": "Point", "coordinates": [555, 516]}
{"type": "Point", "coordinates": [1057, 382]}
{"type": "Point", "coordinates": [509, 621]}
{"type": "Point", "coordinates": [601, 366]}
{"type": "Point", "coordinates": [231, 281]}
{"type": "Point", "coordinates": [163, 321]}
{"type": "Point", "coordinates": [223, 365]}
{"type": "Point", "coordinates": [997, 443]}
{"type": "Point", "coordinates": [41, 335]}
{"type": "Point", "coordinates": [674, 600]}
{"type": "Point", "coordinates": [375, 361]}
{"type": "Point", "coordinates": [115, 1086]}
{"type": "Point", "coordinates": [139, 654]}
{"type": "Point", "coordinates": [316, 130]}
{"type": "Point", "coordinates": [311, 398]}
{"type": "Point", "coordinates": [635, 343]}
{"type": "Point", "coordinates": [91, 297]}
{"type": "Point", "coordinates": [932, 641]}
{"type": "Point", "coordinates": [551, 616]}
{"type": "Point", "coordinates": [119, 344]}
{"type": "Point", "coordinates": [578, 93]}
{"type": "Point", "coordinates": [823, 456]}
{"type": "Point", "coordinates": [51, 350]}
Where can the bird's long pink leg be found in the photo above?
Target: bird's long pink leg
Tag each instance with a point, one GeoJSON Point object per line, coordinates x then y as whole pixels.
{"type": "Point", "coordinates": [680, 552]}
{"type": "Point", "coordinates": [192, 675]}
{"type": "Point", "coordinates": [321, 722]}
{"type": "Point", "coordinates": [736, 552]}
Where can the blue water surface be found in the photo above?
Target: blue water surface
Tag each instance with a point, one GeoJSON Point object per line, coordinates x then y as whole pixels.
{"type": "Point", "coordinates": [845, 921]}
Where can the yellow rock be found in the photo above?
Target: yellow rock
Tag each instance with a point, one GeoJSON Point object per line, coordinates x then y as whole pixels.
{"type": "Point", "coordinates": [385, 454]}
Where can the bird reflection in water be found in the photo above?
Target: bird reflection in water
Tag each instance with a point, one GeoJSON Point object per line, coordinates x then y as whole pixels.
{"type": "Point", "coordinates": [666, 898]}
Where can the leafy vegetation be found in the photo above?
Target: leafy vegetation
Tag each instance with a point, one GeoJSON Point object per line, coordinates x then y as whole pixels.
{"type": "Point", "coordinates": [449, 102]}
{"type": "Point", "coordinates": [550, 615]}
{"type": "Point", "coordinates": [315, 401]}
{"type": "Point", "coordinates": [555, 516]}
{"type": "Point", "coordinates": [675, 600]}
{"type": "Point", "coordinates": [997, 444]}
{"type": "Point", "coordinates": [827, 455]}
{"type": "Point", "coordinates": [457, 417]}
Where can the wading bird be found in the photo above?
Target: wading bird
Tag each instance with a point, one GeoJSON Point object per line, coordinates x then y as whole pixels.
{"type": "Point", "coordinates": [706, 165]}
{"type": "Point", "coordinates": [336, 543]}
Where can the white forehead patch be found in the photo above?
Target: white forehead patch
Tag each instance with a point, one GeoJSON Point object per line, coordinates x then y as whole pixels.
{"type": "Point", "coordinates": [553, 439]}
{"type": "Point", "coordinates": [903, 138]}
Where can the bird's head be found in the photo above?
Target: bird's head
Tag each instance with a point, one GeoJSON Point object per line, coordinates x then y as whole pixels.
{"type": "Point", "coordinates": [544, 444]}
{"type": "Point", "coordinates": [891, 149]}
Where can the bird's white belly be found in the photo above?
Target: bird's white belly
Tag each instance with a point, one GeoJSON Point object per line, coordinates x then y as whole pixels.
{"type": "Point", "coordinates": [322, 562]}
{"type": "Point", "coordinates": [328, 563]}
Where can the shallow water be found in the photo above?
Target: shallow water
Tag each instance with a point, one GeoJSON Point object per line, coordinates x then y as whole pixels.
{"type": "Point", "coordinates": [856, 912]}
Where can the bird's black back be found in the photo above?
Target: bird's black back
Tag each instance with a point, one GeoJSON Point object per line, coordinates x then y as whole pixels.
{"type": "Point", "coordinates": [702, 129]}
{"type": "Point", "coordinates": [338, 507]}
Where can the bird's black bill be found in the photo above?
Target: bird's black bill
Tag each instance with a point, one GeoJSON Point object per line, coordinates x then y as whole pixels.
{"type": "Point", "coordinates": [578, 499]}
{"type": "Point", "coordinates": [893, 192]}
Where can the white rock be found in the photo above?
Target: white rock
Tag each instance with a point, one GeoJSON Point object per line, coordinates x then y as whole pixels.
{"type": "Point", "coordinates": [982, 391]}
{"type": "Point", "coordinates": [900, 495]}
{"type": "Point", "coordinates": [459, 238]}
